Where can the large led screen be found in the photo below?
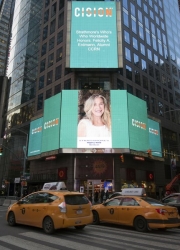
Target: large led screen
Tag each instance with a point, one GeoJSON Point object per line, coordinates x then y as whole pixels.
{"type": "Point", "coordinates": [51, 123]}
{"type": "Point", "coordinates": [138, 124]}
{"type": "Point", "coordinates": [93, 42]}
{"type": "Point", "coordinates": [155, 138]}
{"type": "Point", "coordinates": [35, 137]}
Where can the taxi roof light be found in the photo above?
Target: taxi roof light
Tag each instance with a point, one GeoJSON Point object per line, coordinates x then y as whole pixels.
{"type": "Point", "coordinates": [161, 211]}
{"type": "Point", "coordinates": [62, 207]}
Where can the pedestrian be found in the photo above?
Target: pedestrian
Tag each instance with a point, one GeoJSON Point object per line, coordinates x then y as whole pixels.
{"type": "Point", "coordinates": [107, 194]}
{"type": "Point", "coordinates": [102, 195]}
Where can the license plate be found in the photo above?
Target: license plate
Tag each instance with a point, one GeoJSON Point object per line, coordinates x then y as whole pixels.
{"type": "Point", "coordinates": [79, 211]}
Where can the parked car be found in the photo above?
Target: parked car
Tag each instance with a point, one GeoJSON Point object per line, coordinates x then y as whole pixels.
{"type": "Point", "coordinates": [172, 200]}
{"type": "Point", "coordinates": [142, 213]}
{"type": "Point", "coordinates": [51, 209]}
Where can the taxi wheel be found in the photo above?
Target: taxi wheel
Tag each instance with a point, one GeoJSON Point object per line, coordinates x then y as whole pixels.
{"type": "Point", "coordinates": [140, 224]}
{"type": "Point", "coordinates": [48, 225]}
{"type": "Point", "coordinates": [80, 227]}
{"type": "Point", "coordinates": [11, 219]}
{"type": "Point", "coordinates": [95, 218]}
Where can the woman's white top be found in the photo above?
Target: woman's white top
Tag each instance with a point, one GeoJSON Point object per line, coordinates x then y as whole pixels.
{"type": "Point", "coordinates": [95, 131]}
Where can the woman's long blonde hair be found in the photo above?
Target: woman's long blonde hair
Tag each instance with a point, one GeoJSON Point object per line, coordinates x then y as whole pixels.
{"type": "Point", "coordinates": [88, 106]}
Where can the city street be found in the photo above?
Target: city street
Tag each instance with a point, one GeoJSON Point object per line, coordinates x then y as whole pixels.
{"type": "Point", "coordinates": [93, 237]}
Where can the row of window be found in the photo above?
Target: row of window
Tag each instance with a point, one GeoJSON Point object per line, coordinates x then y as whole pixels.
{"type": "Point", "coordinates": [52, 42]}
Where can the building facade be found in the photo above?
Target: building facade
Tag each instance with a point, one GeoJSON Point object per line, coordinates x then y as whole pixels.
{"type": "Point", "coordinates": [148, 36]}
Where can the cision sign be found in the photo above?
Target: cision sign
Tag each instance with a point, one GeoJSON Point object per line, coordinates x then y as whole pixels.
{"type": "Point", "coordinates": [93, 42]}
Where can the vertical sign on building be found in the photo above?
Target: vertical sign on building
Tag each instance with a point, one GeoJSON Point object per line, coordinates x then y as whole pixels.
{"type": "Point", "coordinates": [51, 123]}
{"type": "Point", "coordinates": [93, 35]}
{"type": "Point", "coordinates": [155, 138]}
{"type": "Point", "coordinates": [35, 137]}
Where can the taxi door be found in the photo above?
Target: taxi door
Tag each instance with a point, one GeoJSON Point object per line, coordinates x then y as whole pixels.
{"type": "Point", "coordinates": [110, 211]}
{"type": "Point", "coordinates": [128, 210]}
{"type": "Point", "coordinates": [38, 209]}
{"type": "Point", "coordinates": [23, 210]}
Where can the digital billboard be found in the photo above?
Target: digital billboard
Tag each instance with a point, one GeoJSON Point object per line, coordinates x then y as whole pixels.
{"type": "Point", "coordinates": [138, 124]}
{"type": "Point", "coordinates": [95, 121]}
{"type": "Point", "coordinates": [93, 39]}
{"type": "Point", "coordinates": [155, 138]}
{"type": "Point", "coordinates": [51, 123]}
{"type": "Point", "coordinates": [35, 137]}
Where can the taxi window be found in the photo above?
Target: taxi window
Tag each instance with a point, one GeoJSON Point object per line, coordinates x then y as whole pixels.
{"type": "Point", "coordinates": [114, 202]}
{"type": "Point", "coordinates": [152, 201]}
{"type": "Point", "coordinates": [76, 199]}
{"type": "Point", "coordinates": [28, 199]}
{"type": "Point", "coordinates": [45, 198]}
{"type": "Point", "coordinates": [129, 202]}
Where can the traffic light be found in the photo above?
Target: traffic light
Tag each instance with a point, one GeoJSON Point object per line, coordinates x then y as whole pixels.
{"type": "Point", "coordinates": [122, 158]}
{"type": "Point", "coordinates": [149, 152]}
{"type": "Point", "coordinates": [1, 150]}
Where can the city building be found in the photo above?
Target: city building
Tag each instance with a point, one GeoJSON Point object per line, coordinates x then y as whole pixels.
{"type": "Point", "coordinates": [44, 62]}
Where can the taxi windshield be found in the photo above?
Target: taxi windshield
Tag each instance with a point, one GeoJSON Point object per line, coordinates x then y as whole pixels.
{"type": "Point", "coordinates": [152, 201]}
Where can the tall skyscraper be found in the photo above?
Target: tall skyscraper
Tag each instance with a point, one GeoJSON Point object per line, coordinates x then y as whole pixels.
{"type": "Point", "coordinates": [43, 62]}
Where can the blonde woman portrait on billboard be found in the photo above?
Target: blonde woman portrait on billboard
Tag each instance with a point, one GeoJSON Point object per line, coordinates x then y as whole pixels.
{"type": "Point", "coordinates": [95, 126]}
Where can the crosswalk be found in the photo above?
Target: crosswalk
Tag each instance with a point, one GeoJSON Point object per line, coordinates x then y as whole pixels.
{"type": "Point", "coordinates": [93, 237]}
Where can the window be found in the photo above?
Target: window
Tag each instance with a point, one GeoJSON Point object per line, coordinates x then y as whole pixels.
{"type": "Point", "coordinates": [59, 54]}
{"type": "Point", "coordinates": [46, 3]}
{"type": "Point", "coordinates": [114, 202]}
{"type": "Point", "coordinates": [61, 4]}
{"type": "Point", "coordinates": [129, 89]}
{"type": "Point", "coordinates": [165, 94]}
{"type": "Point", "coordinates": [149, 52]}
{"type": "Point", "coordinates": [60, 37]}
{"type": "Point", "coordinates": [136, 60]}
{"type": "Point", "coordinates": [159, 91]}
{"type": "Point", "coordinates": [135, 43]}
{"type": "Point", "coordinates": [61, 19]}
{"type": "Point", "coordinates": [138, 93]}
{"type": "Point", "coordinates": [146, 98]}
{"type": "Point", "coordinates": [49, 77]}
{"type": "Point", "coordinates": [53, 26]}
{"type": "Point", "coordinates": [126, 20]}
{"type": "Point", "coordinates": [146, 22]}
{"type": "Point", "coordinates": [50, 60]}
{"type": "Point", "coordinates": [41, 82]}
{"type": "Point", "coordinates": [40, 101]}
{"type": "Point", "coordinates": [42, 65]}
{"type": "Point", "coordinates": [129, 72]}
{"type": "Point", "coordinates": [140, 16]}
{"type": "Point", "coordinates": [132, 9]}
{"type": "Point", "coordinates": [143, 65]}
{"type": "Point", "coordinates": [58, 72]}
{"type": "Point", "coordinates": [127, 54]}
{"type": "Point", "coordinates": [141, 32]}
{"type": "Point", "coordinates": [157, 73]}
{"type": "Point", "coordinates": [134, 28]}
{"type": "Point", "coordinates": [151, 70]}
{"type": "Point", "coordinates": [171, 98]}
{"type": "Point", "coordinates": [145, 82]}
{"type": "Point", "coordinates": [153, 105]}
{"type": "Point", "coordinates": [152, 87]}
{"type": "Point", "coordinates": [51, 43]}
{"type": "Point", "coordinates": [57, 89]}
{"type": "Point", "coordinates": [137, 77]}
{"type": "Point", "coordinates": [48, 93]}
{"type": "Point", "coordinates": [44, 48]}
{"type": "Point", "coordinates": [142, 47]}
{"type": "Point", "coordinates": [145, 8]}
{"type": "Point", "coordinates": [148, 38]}
{"type": "Point", "coordinates": [67, 84]}
{"type": "Point", "coordinates": [46, 16]}
{"type": "Point", "coordinates": [53, 10]}
{"type": "Point", "coordinates": [129, 202]}
{"type": "Point", "coordinates": [45, 32]}
{"type": "Point", "coordinates": [126, 36]}
{"type": "Point", "coordinates": [120, 84]}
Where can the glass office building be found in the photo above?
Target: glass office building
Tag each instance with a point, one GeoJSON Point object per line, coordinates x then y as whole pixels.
{"type": "Point", "coordinates": [149, 68]}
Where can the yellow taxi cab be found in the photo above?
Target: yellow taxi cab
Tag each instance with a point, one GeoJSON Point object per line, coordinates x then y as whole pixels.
{"type": "Point", "coordinates": [51, 209]}
{"type": "Point", "coordinates": [139, 211]}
